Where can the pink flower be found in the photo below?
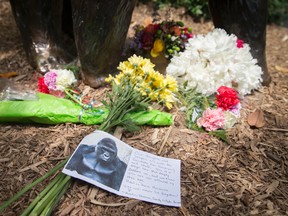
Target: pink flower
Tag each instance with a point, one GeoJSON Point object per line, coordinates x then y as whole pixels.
{"type": "Point", "coordinates": [50, 80]}
{"type": "Point", "coordinates": [212, 120]}
{"type": "Point", "coordinates": [239, 43]}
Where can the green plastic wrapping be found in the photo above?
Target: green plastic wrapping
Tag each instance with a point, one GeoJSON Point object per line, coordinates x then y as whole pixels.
{"type": "Point", "coordinates": [49, 109]}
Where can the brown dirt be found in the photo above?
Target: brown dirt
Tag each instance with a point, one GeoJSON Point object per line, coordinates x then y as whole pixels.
{"type": "Point", "coordinates": [247, 176]}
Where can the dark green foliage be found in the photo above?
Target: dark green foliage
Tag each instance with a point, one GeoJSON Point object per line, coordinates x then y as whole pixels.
{"type": "Point", "coordinates": [278, 9]}
{"type": "Point", "coordinates": [278, 12]}
{"type": "Point", "coordinates": [196, 8]}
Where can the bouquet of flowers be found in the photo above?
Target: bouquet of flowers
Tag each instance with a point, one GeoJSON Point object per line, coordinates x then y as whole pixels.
{"type": "Point", "coordinates": [56, 81]}
{"type": "Point", "coordinates": [214, 113]}
{"type": "Point", "coordinates": [168, 37]}
{"type": "Point", "coordinates": [59, 102]}
{"type": "Point", "coordinates": [132, 91]}
{"type": "Point", "coordinates": [138, 73]}
{"type": "Point", "coordinates": [214, 60]}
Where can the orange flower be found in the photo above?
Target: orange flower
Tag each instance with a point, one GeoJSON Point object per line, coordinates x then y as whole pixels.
{"type": "Point", "coordinates": [176, 30]}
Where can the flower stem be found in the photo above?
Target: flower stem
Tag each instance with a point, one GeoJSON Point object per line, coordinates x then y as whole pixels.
{"type": "Point", "coordinates": [55, 201]}
{"type": "Point", "coordinates": [38, 198]}
{"type": "Point", "coordinates": [74, 99]}
{"type": "Point", "coordinates": [28, 187]}
{"type": "Point", "coordinates": [52, 197]}
{"type": "Point", "coordinates": [52, 194]}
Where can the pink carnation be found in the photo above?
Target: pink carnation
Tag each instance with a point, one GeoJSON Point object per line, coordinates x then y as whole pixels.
{"type": "Point", "coordinates": [50, 80]}
{"type": "Point", "coordinates": [211, 120]}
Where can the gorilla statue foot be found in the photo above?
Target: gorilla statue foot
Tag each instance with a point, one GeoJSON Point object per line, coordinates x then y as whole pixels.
{"type": "Point", "coordinates": [266, 78]}
{"type": "Point", "coordinates": [92, 81]}
{"type": "Point", "coordinates": [46, 58]}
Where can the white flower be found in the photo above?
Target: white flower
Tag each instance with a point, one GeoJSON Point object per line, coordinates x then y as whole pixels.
{"type": "Point", "coordinates": [213, 60]}
{"type": "Point", "coordinates": [230, 119]}
{"type": "Point", "coordinates": [65, 78]}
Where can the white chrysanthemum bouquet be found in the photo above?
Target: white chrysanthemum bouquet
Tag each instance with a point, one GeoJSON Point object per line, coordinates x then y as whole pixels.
{"type": "Point", "coordinates": [214, 60]}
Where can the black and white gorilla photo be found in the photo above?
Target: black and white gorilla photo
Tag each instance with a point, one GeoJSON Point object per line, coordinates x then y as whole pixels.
{"type": "Point", "coordinates": [99, 163]}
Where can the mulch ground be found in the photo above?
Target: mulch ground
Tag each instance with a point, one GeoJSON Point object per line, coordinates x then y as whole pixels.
{"type": "Point", "coordinates": [246, 176]}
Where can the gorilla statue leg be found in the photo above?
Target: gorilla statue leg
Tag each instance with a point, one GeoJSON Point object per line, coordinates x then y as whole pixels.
{"type": "Point", "coordinates": [100, 30]}
{"type": "Point", "coordinates": [99, 27]}
{"type": "Point", "coordinates": [39, 23]}
{"type": "Point", "coordinates": [247, 20]}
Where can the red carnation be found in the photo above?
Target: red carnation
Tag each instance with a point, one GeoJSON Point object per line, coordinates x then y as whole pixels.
{"type": "Point", "coordinates": [240, 43]}
{"type": "Point", "coordinates": [227, 98]}
{"type": "Point", "coordinates": [42, 87]}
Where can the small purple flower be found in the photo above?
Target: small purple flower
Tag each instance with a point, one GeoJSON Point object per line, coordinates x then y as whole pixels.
{"type": "Point", "coordinates": [183, 36]}
{"type": "Point", "coordinates": [236, 109]}
{"type": "Point", "coordinates": [50, 80]}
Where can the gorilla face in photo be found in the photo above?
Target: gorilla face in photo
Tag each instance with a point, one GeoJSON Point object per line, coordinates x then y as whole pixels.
{"type": "Point", "coordinates": [106, 151]}
{"type": "Point", "coordinates": [99, 163]}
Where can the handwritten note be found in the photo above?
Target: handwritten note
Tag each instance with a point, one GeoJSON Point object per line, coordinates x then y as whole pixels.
{"type": "Point", "coordinates": [153, 179]}
{"type": "Point", "coordinates": [147, 177]}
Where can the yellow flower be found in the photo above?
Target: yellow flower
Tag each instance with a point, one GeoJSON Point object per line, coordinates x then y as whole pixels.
{"type": "Point", "coordinates": [125, 66]}
{"type": "Point", "coordinates": [158, 47]}
{"type": "Point", "coordinates": [139, 72]}
{"type": "Point", "coordinates": [109, 78]}
{"type": "Point", "coordinates": [171, 83]}
{"type": "Point", "coordinates": [148, 67]}
{"type": "Point", "coordinates": [154, 95]}
{"type": "Point", "coordinates": [168, 105]}
{"type": "Point", "coordinates": [144, 88]}
{"type": "Point", "coordinates": [136, 61]}
{"type": "Point", "coordinates": [147, 62]}
{"type": "Point", "coordinates": [167, 98]}
{"type": "Point", "coordinates": [156, 78]}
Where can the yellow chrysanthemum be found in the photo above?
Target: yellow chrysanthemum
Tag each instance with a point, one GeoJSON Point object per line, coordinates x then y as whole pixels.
{"type": "Point", "coordinates": [139, 72]}
{"type": "Point", "coordinates": [136, 60]}
{"type": "Point", "coordinates": [171, 83]}
{"type": "Point", "coordinates": [164, 93]}
{"type": "Point", "coordinates": [167, 98]}
{"type": "Point", "coordinates": [144, 88]}
{"type": "Point", "coordinates": [147, 62]}
{"type": "Point", "coordinates": [158, 47]}
{"type": "Point", "coordinates": [154, 95]}
{"type": "Point", "coordinates": [125, 66]}
{"type": "Point", "coordinates": [148, 67]}
{"type": "Point", "coordinates": [168, 105]}
{"type": "Point", "coordinates": [109, 78]}
{"type": "Point", "coordinates": [156, 79]}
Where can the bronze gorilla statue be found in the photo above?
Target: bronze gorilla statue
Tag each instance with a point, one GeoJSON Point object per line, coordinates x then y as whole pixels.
{"type": "Point", "coordinates": [100, 29]}
{"type": "Point", "coordinates": [247, 19]}
{"type": "Point", "coordinates": [99, 33]}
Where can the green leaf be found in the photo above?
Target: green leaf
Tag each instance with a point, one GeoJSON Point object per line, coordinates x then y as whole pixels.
{"type": "Point", "coordinates": [221, 134]}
